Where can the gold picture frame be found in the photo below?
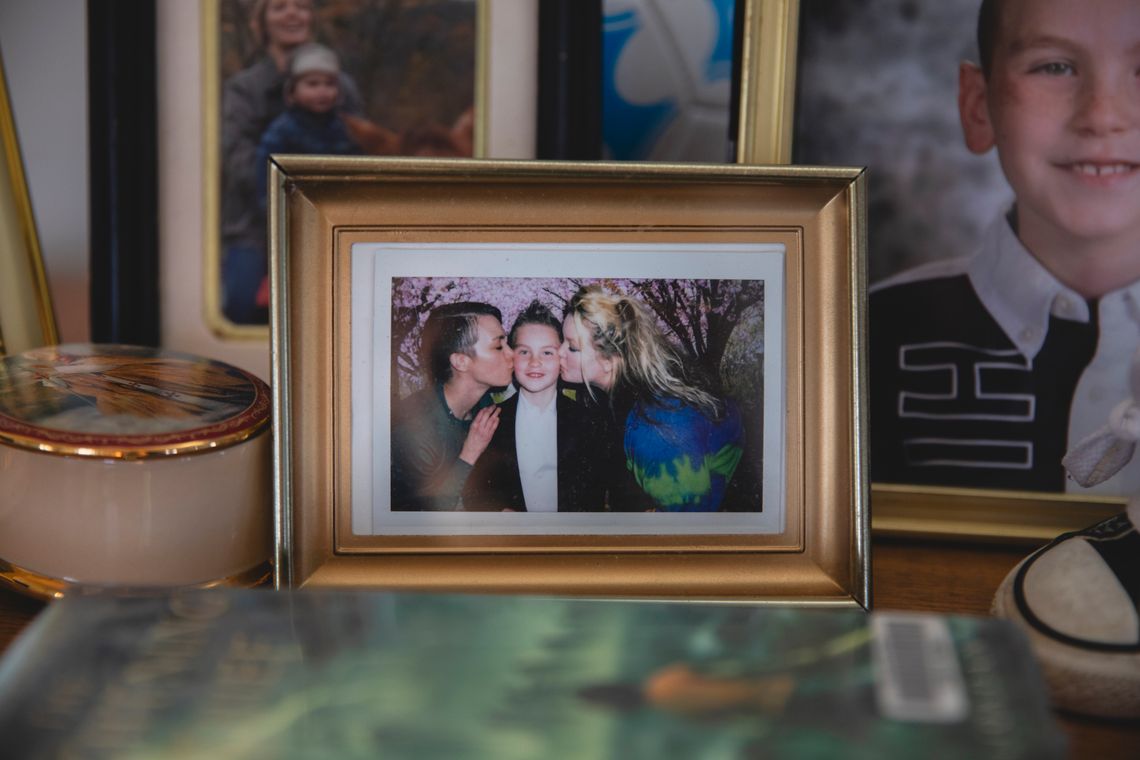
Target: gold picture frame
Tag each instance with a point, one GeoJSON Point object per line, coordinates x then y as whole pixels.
{"type": "Point", "coordinates": [26, 316]}
{"type": "Point", "coordinates": [764, 132]}
{"type": "Point", "coordinates": [984, 514]}
{"type": "Point", "coordinates": [768, 81]}
{"type": "Point", "coordinates": [338, 224]}
{"type": "Point", "coordinates": [212, 88]}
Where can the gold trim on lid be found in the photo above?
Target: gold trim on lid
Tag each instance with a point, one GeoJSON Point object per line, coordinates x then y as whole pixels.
{"type": "Point", "coordinates": [45, 587]}
{"type": "Point", "coordinates": [126, 402]}
{"type": "Point", "coordinates": [32, 443]}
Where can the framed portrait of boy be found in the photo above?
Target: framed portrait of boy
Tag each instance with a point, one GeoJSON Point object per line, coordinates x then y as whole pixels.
{"type": "Point", "coordinates": [984, 367]}
{"type": "Point", "coordinates": [682, 343]}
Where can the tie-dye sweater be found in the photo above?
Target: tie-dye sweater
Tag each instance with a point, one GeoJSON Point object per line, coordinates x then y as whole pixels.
{"type": "Point", "coordinates": [680, 456]}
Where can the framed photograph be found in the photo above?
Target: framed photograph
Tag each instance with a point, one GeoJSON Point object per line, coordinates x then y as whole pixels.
{"type": "Point", "coordinates": [962, 446]}
{"type": "Point", "coordinates": [696, 332]}
{"type": "Point", "coordinates": [189, 42]}
{"type": "Point", "coordinates": [26, 316]}
{"type": "Point", "coordinates": [410, 77]}
{"type": "Point", "coordinates": [401, 79]}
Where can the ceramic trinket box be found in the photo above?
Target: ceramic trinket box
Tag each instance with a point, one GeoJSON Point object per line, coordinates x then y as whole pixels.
{"type": "Point", "coordinates": [131, 467]}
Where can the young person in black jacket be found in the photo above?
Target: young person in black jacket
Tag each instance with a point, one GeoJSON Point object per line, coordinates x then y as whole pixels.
{"type": "Point", "coordinates": [546, 454]}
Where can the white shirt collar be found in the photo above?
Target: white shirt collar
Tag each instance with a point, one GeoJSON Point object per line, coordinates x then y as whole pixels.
{"type": "Point", "coordinates": [531, 409]}
{"type": "Point", "coordinates": [1018, 291]}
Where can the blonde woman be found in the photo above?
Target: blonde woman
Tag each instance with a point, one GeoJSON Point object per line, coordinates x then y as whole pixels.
{"type": "Point", "coordinates": [681, 443]}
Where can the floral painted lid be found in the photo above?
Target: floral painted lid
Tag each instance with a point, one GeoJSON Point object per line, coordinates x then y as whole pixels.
{"type": "Point", "coordinates": [126, 402]}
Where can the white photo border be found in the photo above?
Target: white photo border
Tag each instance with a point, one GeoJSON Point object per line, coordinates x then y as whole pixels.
{"type": "Point", "coordinates": [374, 265]}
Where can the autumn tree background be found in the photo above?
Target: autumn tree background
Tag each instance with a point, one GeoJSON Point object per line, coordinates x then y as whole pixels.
{"type": "Point", "coordinates": [412, 60]}
{"type": "Point", "coordinates": [717, 324]}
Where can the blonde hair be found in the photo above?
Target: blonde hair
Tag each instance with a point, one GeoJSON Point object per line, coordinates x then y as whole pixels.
{"type": "Point", "coordinates": [624, 330]}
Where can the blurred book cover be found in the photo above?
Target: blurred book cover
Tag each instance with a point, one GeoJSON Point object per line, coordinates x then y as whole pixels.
{"type": "Point", "coordinates": [315, 674]}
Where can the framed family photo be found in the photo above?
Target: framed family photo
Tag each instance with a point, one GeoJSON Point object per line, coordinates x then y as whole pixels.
{"type": "Point", "coordinates": [682, 343]}
{"type": "Point", "coordinates": [26, 316]}
{"type": "Point", "coordinates": [190, 45]}
{"type": "Point", "coordinates": [960, 447]}
{"type": "Point", "coordinates": [402, 80]}
{"type": "Point", "coordinates": [412, 79]}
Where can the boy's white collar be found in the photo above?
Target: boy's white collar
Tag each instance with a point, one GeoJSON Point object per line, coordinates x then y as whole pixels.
{"type": "Point", "coordinates": [1018, 291]}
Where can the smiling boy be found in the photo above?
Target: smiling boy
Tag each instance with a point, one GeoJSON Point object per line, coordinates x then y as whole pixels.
{"type": "Point", "coordinates": [543, 456]}
{"type": "Point", "coordinates": [985, 370]}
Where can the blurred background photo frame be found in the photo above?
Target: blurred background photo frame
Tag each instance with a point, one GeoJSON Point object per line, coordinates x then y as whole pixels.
{"type": "Point", "coordinates": [398, 78]}
{"type": "Point", "coordinates": [706, 80]}
{"type": "Point", "coordinates": [26, 316]}
{"type": "Point", "coordinates": [931, 202]}
{"type": "Point", "coordinates": [506, 82]}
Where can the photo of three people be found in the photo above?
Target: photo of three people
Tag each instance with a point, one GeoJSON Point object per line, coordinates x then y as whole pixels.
{"type": "Point", "coordinates": [573, 395]}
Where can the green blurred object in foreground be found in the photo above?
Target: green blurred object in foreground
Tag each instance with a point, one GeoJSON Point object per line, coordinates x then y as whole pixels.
{"type": "Point", "coordinates": [263, 674]}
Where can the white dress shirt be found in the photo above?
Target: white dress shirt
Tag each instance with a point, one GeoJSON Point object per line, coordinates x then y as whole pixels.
{"type": "Point", "coordinates": [1021, 295]}
{"type": "Point", "coordinates": [536, 442]}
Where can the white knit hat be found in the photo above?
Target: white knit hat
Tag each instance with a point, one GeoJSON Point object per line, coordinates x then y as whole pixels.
{"type": "Point", "coordinates": [312, 57]}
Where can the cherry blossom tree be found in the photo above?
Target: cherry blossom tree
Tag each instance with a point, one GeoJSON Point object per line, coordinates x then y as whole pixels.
{"type": "Point", "coordinates": [699, 315]}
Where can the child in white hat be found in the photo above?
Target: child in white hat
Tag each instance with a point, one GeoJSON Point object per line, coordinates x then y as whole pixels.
{"type": "Point", "coordinates": [311, 123]}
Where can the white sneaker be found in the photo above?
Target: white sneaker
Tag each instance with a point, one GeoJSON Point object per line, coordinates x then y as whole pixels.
{"type": "Point", "coordinates": [1077, 598]}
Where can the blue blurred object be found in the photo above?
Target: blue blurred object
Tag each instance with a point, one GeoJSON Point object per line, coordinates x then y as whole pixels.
{"type": "Point", "coordinates": [667, 70]}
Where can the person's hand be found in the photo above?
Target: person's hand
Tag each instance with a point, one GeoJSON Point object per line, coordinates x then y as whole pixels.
{"type": "Point", "coordinates": [479, 434]}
